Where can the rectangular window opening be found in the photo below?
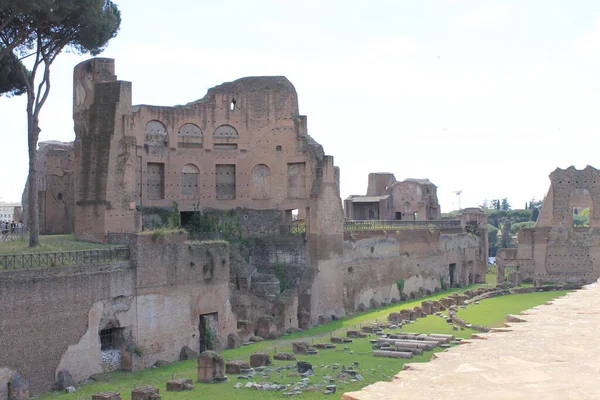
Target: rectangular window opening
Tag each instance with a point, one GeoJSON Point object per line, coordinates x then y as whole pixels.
{"type": "Point", "coordinates": [110, 339]}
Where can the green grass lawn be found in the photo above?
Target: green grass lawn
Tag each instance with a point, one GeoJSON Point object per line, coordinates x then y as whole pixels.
{"type": "Point", "coordinates": [489, 312]}
{"type": "Point", "coordinates": [492, 312]}
{"type": "Point", "coordinates": [50, 243]}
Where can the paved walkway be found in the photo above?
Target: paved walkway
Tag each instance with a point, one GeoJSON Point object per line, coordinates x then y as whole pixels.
{"type": "Point", "coordinates": [555, 354]}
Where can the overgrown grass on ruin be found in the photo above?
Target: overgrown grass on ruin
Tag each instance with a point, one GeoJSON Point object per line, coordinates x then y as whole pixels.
{"type": "Point", "coordinates": [50, 243]}
{"type": "Point", "coordinates": [488, 312]}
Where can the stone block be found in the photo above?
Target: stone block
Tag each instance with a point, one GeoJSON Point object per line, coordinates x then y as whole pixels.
{"type": "Point", "coordinates": [19, 388]}
{"type": "Point", "coordinates": [405, 313]}
{"type": "Point", "coordinates": [187, 354]}
{"type": "Point", "coordinates": [300, 347]}
{"type": "Point", "coordinates": [284, 356]}
{"type": "Point", "coordinates": [427, 307]}
{"type": "Point", "coordinates": [419, 312]}
{"type": "Point", "coordinates": [180, 385]}
{"type": "Point", "coordinates": [356, 334]}
{"type": "Point", "coordinates": [106, 396]}
{"type": "Point", "coordinates": [235, 367]}
{"type": "Point", "coordinates": [395, 317]}
{"type": "Point", "coordinates": [211, 367]}
{"type": "Point", "coordinates": [303, 366]}
{"type": "Point", "coordinates": [145, 393]}
{"type": "Point", "coordinates": [233, 341]}
{"type": "Point", "coordinates": [63, 380]}
{"type": "Point", "coordinates": [259, 360]}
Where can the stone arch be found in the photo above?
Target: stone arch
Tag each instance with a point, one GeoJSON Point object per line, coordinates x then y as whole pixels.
{"type": "Point", "coordinates": [155, 134]}
{"type": "Point", "coordinates": [191, 130]}
{"type": "Point", "coordinates": [189, 180]}
{"type": "Point", "coordinates": [407, 208]}
{"type": "Point", "coordinates": [226, 131]}
{"type": "Point", "coordinates": [261, 182]}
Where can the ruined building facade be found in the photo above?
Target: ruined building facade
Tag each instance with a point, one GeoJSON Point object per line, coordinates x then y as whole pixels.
{"type": "Point", "coordinates": [242, 147]}
{"type": "Point", "coordinates": [56, 180]}
{"type": "Point", "coordinates": [388, 199]}
{"type": "Point", "coordinates": [555, 249]}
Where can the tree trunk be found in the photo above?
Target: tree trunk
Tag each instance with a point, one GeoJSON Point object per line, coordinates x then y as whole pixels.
{"type": "Point", "coordinates": [33, 132]}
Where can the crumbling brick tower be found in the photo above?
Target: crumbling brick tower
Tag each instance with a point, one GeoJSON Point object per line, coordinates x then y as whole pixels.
{"type": "Point", "coordinates": [103, 192]}
{"type": "Point", "coordinates": [557, 249]}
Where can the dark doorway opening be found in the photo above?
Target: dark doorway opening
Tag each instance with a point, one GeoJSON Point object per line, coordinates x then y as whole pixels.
{"type": "Point", "coordinates": [110, 339]}
{"type": "Point", "coordinates": [111, 342]}
{"type": "Point", "coordinates": [398, 216]}
{"type": "Point", "coordinates": [186, 216]}
{"type": "Point", "coordinates": [209, 328]}
{"type": "Point", "coordinates": [452, 270]}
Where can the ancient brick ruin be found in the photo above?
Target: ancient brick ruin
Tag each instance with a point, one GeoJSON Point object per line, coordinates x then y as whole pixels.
{"type": "Point", "coordinates": [555, 250]}
{"type": "Point", "coordinates": [56, 179]}
{"type": "Point", "coordinates": [243, 148]}
{"type": "Point", "coordinates": [388, 199]}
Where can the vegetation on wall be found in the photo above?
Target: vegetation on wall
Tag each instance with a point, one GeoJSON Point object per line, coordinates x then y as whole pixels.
{"type": "Point", "coordinates": [280, 272]}
{"type": "Point", "coordinates": [227, 223]}
{"type": "Point", "coordinates": [400, 285]}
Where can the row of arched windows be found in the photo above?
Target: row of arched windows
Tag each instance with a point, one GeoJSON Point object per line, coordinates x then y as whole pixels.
{"type": "Point", "coordinates": [156, 131]}
{"type": "Point", "coordinates": [261, 181]}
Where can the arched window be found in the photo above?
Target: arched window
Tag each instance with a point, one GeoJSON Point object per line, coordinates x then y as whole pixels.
{"type": "Point", "coordinates": [191, 130]}
{"type": "Point", "coordinates": [261, 182]}
{"type": "Point", "coordinates": [189, 180]}
{"type": "Point", "coordinates": [189, 136]}
{"type": "Point", "coordinates": [226, 131]}
{"type": "Point", "coordinates": [155, 134]}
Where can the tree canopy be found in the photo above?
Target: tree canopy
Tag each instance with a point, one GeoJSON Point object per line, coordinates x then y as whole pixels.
{"type": "Point", "coordinates": [34, 33]}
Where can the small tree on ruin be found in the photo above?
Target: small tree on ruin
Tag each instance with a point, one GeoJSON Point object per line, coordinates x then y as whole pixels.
{"type": "Point", "coordinates": [35, 32]}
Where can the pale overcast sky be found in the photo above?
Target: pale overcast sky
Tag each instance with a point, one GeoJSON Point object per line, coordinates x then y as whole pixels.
{"type": "Point", "coordinates": [483, 96]}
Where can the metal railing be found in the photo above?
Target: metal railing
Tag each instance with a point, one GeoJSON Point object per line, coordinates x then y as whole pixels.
{"type": "Point", "coordinates": [62, 258]}
{"type": "Point", "coordinates": [294, 229]}
{"type": "Point", "coordinates": [375, 225]}
{"type": "Point", "coordinates": [12, 236]}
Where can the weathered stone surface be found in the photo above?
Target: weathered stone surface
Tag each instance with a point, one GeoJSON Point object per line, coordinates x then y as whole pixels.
{"type": "Point", "coordinates": [256, 339]}
{"type": "Point", "coordinates": [180, 385]}
{"type": "Point", "coordinates": [187, 354]}
{"type": "Point", "coordinates": [145, 393]}
{"type": "Point", "coordinates": [300, 347]}
{"type": "Point", "coordinates": [63, 380]}
{"type": "Point", "coordinates": [260, 360]}
{"type": "Point", "coordinates": [19, 388]}
{"type": "Point", "coordinates": [374, 304]}
{"type": "Point", "coordinates": [233, 341]}
{"type": "Point", "coordinates": [284, 356]}
{"type": "Point", "coordinates": [303, 366]}
{"type": "Point", "coordinates": [210, 367]}
{"type": "Point", "coordinates": [356, 334]}
{"type": "Point", "coordinates": [427, 307]}
{"type": "Point", "coordinates": [106, 396]}
{"type": "Point", "coordinates": [395, 317]}
{"type": "Point", "coordinates": [235, 366]}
